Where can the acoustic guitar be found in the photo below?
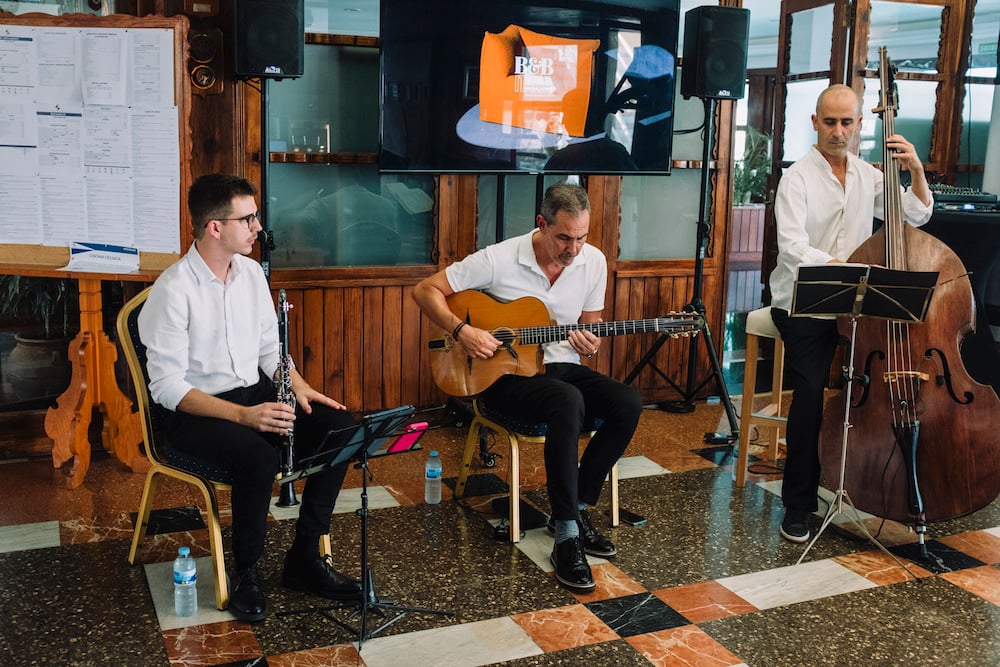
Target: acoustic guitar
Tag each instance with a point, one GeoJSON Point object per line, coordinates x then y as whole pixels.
{"type": "Point", "coordinates": [458, 374]}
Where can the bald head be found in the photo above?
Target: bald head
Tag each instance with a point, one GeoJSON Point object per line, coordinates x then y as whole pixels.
{"type": "Point", "coordinates": [837, 122]}
{"type": "Point", "coordinates": [840, 93]}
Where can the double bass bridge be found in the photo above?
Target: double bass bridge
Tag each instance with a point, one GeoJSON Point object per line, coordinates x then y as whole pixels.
{"type": "Point", "coordinates": [897, 377]}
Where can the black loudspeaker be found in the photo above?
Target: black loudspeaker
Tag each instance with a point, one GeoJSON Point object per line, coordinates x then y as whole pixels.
{"type": "Point", "coordinates": [269, 38]}
{"type": "Point", "coordinates": [715, 52]}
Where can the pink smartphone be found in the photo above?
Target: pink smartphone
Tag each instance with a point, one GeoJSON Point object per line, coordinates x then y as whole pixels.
{"type": "Point", "coordinates": [409, 438]}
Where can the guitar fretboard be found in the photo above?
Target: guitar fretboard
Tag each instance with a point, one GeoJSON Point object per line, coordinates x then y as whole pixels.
{"type": "Point", "coordinates": [549, 334]}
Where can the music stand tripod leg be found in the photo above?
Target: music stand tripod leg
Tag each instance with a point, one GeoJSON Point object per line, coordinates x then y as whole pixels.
{"type": "Point", "coordinates": [841, 496]}
{"type": "Point", "coordinates": [370, 600]}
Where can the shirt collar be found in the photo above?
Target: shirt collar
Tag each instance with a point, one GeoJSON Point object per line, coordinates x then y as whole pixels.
{"type": "Point", "coordinates": [200, 269]}
{"type": "Point", "coordinates": [817, 156]}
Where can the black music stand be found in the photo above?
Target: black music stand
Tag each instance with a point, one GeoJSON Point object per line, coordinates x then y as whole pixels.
{"type": "Point", "coordinates": [376, 436]}
{"type": "Point", "coordinates": [859, 290]}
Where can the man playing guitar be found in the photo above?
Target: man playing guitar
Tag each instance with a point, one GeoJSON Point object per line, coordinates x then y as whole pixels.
{"type": "Point", "coordinates": [555, 264]}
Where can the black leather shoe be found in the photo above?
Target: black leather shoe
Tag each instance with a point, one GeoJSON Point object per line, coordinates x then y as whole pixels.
{"type": "Point", "coordinates": [571, 565]}
{"type": "Point", "coordinates": [317, 576]}
{"type": "Point", "coordinates": [594, 543]}
{"type": "Point", "coordinates": [795, 526]}
{"type": "Point", "coordinates": [246, 599]}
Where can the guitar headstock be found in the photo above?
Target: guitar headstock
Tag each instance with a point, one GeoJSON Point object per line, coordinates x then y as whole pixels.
{"type": "Point", "coordinates": [678, 324]}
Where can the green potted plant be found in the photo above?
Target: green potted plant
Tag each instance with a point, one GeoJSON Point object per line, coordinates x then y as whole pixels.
{"type": "Point", "coordinates": [750, 176]}
{"type": "Point", "coordinates": [44, 313]}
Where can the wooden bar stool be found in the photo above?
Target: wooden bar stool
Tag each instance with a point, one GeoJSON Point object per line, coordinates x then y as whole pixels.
{"type": "Point", "coordinates": [759, 324]}
{"type": "Point", "coordinates": [513, 431]}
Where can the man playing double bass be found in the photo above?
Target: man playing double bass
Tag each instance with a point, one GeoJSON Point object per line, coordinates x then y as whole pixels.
{"type": "Point", "coordinates": [555, 264]}
{"type": "Point", "coordinates": [824, 210]}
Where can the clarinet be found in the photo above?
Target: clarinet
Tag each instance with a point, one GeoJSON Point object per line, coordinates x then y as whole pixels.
{"type": "Point", "coordinates": [286, 497]}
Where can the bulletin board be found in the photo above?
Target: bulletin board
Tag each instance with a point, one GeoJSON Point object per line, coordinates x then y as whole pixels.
{"type": "Point", "coordinates": [95, 141]}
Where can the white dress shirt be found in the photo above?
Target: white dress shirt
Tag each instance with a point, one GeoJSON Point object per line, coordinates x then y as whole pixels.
{"type": "Point", "coordinates": [202, 334]}
{"type": "Point", "coordinates": [509, 271]}
{"type": "Point", "coordinates": [819, 220]}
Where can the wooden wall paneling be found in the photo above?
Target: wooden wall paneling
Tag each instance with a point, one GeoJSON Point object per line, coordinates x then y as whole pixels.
{"type": "Point", "coordinates": [312, 325]}
{"type": "Point", "coordinates": [447, 216]}
{"type": "Point", "coordinates": [411, 345]}
{"type": "Point", "coordinates": [428, 391]}
{"type": "Point", "coordinates": [466, 215]}
{"type": "Point", "coordinates": [605, 204]}
{"type": "Point", "coordinates": [672, 294]}
{"type": "Point", "coordinates": [334, 322]}
{"type": "Point", "coordinates": [645, 297]}
{"type": "Point", "coordinates": [372, 345]}
{"type": "Point", "coordinates": [354, 340]}
{"type": "Point", "coordinates": [630, 296]}
{"type": "Point", "coordinates": [604, 215]}
{"type": "Point", "coordinates": [392, 346]}
{"type": "Point", "coordinates": [676, 361]}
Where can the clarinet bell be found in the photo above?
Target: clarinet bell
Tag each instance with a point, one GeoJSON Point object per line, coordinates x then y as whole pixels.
{"type": "Point", "coordinates": [287, 497]}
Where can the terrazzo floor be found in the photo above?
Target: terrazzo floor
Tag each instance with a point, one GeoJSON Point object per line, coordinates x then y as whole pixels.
{"type": "Point", "coordinates": [707, 580]}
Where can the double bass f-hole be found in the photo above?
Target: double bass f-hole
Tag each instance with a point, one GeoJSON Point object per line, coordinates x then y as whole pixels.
{"type": "Point", "coordinates": [944, 377]}
{"type": "Point", "coordinates": [865, 379]}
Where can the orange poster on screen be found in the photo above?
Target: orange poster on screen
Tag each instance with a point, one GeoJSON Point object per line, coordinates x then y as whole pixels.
{"type": "Point", "coordinates": [535, 81]}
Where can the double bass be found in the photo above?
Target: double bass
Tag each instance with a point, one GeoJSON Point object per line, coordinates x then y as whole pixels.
{"type": "Point", "coordinates": [924, 442]}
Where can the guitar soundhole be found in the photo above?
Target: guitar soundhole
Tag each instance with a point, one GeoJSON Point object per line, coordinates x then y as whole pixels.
{"type": "Point", "coordinates": [505, 335]}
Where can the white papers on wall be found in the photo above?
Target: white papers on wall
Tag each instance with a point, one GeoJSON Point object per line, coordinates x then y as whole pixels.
{"type": "Point", "coordinates": [89, 140]}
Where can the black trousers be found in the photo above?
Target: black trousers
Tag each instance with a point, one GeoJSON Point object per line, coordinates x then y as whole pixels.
{"type": "Point", "coordinates": [568, 397]}
{"type": "Point", "coordinates": [254, 458]}
{"type": "Point", "coordinates": [810, 344]}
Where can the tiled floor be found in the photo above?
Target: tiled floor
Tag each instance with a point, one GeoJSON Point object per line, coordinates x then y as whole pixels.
{"type": "Point", "coordinates": [705, 581]}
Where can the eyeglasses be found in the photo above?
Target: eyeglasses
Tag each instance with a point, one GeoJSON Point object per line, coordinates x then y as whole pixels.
{"type": "Point", "coordinates": [248, 220]}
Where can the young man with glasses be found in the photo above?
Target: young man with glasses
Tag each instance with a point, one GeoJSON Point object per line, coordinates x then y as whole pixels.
{"type": "Point", "coordinates": [211, 334]}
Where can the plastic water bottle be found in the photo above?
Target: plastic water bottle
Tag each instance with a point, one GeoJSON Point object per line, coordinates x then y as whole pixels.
{"type": "Point", "coordinates": [185, 583]}
{"type": "Point", "coordinates": [432, 479]}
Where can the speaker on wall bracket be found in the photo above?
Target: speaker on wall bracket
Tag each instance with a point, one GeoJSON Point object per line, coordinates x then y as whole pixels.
{"type": "Point", "coordinates": [715, 52]}
{"type": "Point", "coordinates": [205, 59]}
{"type": "Point", "coordinates": [268, 38]}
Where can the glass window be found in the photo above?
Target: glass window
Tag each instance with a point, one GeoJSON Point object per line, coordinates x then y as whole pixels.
{"type": "Point", "coordinates": [332, 108]}
{"type": "Point", "coordinates": [811, 40]}
{"type": "Point", "coordinates": [516, 198]}
{"type": "Point", "coordinates": [914, 117]}
{"type": "Point", "coordinates": [800, 105]}
{"type": "Point", "coordinates": [325, 215]}
{"type": "Point", "coordinates": [976, 111]}
{"type": "Point", "coordinates": [660, 215]}
{"type": "Point", "coordinates": [985, 28]}
{"type": "Point", "coordinates": [358, 17]}
{"type": "Point", "coordinates": [910, 32]}
{"type": "Point", "coordinates": [328, 206]}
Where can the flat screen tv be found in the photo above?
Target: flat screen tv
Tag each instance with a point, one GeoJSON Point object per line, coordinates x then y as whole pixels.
{"type": "Point", "coordinates": [527, 86]}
